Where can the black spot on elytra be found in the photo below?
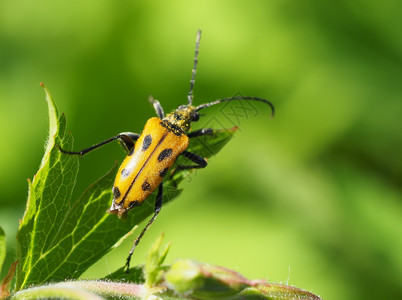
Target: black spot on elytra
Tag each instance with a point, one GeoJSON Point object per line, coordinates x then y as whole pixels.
{"type": "Point", "coordinates": [163, 172]}
{"type": "Point", "coordinates": [164, 154]}
{"type": "Point", "coordinates": [125, 172]}
{"type": "Point", "coordinates": [147, 142]}
{"type": "Point", "coordinates": [146, 186]}
{"type": "Point", "coordinates": [116, 192]}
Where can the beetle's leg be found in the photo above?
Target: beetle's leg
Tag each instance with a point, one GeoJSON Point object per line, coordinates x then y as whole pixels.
{"type": "Point", "coordinates": [158, 206]}
{"type": "Point", "coordinates": [127, 139]}
{"type": "Point", "coordinates": [157, 106]}
{"type": "Point", "coordinates": [200, 162]}
{"type": "Point", "coordinates": [200, 132]}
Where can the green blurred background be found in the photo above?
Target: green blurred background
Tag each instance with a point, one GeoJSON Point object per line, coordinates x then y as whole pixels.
{"type": "Point", "coordinates": [311, 198]}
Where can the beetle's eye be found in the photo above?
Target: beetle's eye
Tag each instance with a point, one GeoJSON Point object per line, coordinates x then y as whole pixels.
{"type": "Point", "coordinates": [195, 117]}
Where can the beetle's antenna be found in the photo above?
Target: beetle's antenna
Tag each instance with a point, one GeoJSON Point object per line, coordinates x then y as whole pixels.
{"type": "Point", "coordinates": [236, 98]}
{"type": "Point", "coordinates": [194, 71]}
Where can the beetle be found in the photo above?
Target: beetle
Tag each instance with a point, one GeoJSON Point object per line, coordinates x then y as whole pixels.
{"type": "Point", "coordinates": [151, 154]}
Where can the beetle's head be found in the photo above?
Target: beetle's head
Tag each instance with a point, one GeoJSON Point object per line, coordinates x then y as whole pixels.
{"type": "Point", "coordinates": [182, 117]}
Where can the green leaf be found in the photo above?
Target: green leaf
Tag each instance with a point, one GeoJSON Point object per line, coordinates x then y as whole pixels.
{"type": "Point", "coordinates": [274, 291]}
{"type": "Point", "coordinates": [59, 238]}
{"type": "Point", "coordinates": [3, 247]}
{"type": "Point", "coordinates": [48, 201]}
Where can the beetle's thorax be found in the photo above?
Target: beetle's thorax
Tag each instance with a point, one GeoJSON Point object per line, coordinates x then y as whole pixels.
{"type": "Point", "coordinates": [179, 120]}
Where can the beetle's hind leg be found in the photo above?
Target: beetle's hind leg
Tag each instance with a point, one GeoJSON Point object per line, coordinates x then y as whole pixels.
{"type": "Point", "coordinates": [158, 206]}
{"type": "Point", "coordinates": [127, 139]}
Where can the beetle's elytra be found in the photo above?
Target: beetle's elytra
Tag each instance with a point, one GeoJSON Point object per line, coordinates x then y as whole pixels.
{"type": "Point", "coordinates": [150, 155]}
{"type": "Point", "coordinates": [143, 169]}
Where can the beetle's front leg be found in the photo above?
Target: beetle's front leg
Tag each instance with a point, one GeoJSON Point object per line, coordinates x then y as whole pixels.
{"type": "Point", "coordinates": [200, 132]}
{"type": "Point", "coordinates": [127, 139]}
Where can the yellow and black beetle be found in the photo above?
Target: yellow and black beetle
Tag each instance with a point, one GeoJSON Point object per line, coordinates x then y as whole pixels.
{"type": "Point", "coordinates": [152, 153]}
